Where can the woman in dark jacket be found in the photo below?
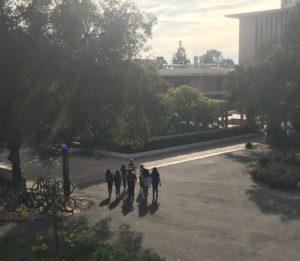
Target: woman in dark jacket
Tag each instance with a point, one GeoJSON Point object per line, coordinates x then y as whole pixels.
{"type": "Point", "coordinates": [124, 176]}
{"type": "Point", "coordinates": [117, 181]}
{"type": "Point", "coordinates": [109, 178]}
{"type": "Point", "coordinates": [155, 182]}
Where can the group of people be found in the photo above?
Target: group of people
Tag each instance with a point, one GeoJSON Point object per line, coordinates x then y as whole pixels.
{"type": "Point", "coordinates": [127, 177]}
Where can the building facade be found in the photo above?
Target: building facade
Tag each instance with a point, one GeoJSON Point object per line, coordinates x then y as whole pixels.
{"type": "Point", "coordinates": [208, 79]}
{"type": "Point", "coordinates": [259, 28]}
{"type": "Point", "coordinates": [289, 3]}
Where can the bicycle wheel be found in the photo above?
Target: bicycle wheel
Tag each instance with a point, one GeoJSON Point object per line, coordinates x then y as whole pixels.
{"type": "Point", "coordinates": [70, 205]}
{"type": "Point", "coordinates": [72, 188]}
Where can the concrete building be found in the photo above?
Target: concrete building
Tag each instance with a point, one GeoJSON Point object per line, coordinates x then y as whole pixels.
{"type": "Point", "coordinates": [258, 28]}
{"type": "Point", "coordinates": [206, 78]}
{"type": "Point", "coordinates": [289, 3]}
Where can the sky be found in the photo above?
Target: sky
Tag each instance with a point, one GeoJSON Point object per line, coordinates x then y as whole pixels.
{"type": "Point", "coordinates": [199, 24]}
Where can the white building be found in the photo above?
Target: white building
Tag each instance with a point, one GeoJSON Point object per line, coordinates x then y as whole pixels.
{"type": "Point", "coordinates": [258, 28]}
{"type": "Point", "coordinates": [289, 3]}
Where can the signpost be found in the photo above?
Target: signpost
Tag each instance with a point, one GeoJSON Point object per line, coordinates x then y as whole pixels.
{"type": "Point", "coordinates": [66, 170]}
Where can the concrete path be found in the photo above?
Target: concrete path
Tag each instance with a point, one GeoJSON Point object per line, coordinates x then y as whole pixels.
{"type": "Point", "coordinates": [208, 209]}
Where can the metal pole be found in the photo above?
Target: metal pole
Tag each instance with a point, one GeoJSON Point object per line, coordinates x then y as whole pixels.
{"type": "Point", "coordinates": [65, 165]}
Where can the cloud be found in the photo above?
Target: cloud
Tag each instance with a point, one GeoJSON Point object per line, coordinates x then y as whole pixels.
{"type": "Point", "coordinates": [200, 24]}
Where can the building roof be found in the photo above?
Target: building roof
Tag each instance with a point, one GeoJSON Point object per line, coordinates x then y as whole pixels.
{"type": "Point", "coordinates": [275, 11]}
{"type": "Point", "coordinates": [200, 71]}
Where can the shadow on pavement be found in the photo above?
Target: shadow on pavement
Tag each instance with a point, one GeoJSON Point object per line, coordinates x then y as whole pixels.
{"type": "Point", "coordinates": [104, 202]}
{"type": "Point", "coordinates": [247, 157]}
{"type": "Point", "coordinates": [116, 202]}
{"type": "Point", "coordinates": [127, 206]}
{"type": "Point", "coordinates": [86, 184]}
{"type": "Point", "coordinates": [153, 207]}
{"type": "Point", "coordinates": [286, 205]}
{"type": "Point", "coordinates": [128, 239]}
{"type": "Point", "coordinates": [143, 208]}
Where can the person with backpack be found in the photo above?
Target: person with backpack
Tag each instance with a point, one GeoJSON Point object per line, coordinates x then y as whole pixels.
{"type": "Point", "coordinates": [124, 176]}
{"type": "Point", "coordinates": [117, 181]}
{"type": "Point", "coordinates": [155, 179]}
{"type": "Point", "coordinates": [131, 180]}
{"type": "Point", "coordinates": [109, 178]}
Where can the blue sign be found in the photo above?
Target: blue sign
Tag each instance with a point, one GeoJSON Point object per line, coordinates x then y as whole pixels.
{"type": "Point", "coordinates": [65, 147]}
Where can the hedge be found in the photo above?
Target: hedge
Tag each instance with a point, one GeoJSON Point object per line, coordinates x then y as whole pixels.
{"type": "Point", "coordinates": [184, 139]}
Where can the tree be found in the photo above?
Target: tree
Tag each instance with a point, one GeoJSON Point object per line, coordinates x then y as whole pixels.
{"type": "Point", "coordinates": [267, 89]}
{"type": "Point", "coordinates": [189, 109]}
{"type": "Point", "coordinates": [227, 63]}
{"type": "Point", "coordinates": [161, 62]}
{"type": "Point", "coordinates": [212, 57]}
{"type": "Point", "coordinates": [142, 114]}
{"type": "Point", "coordinates": [240, 94]}
{"type": "Point", "coordinates": [180, 57]}
{"type": "Point", "coordinates": [62, 67]}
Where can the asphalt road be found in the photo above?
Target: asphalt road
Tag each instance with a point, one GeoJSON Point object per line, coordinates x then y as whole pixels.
{"type": "Point", "coordinates": [208, 209]}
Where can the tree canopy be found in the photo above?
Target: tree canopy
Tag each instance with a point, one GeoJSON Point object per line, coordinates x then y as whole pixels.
{"type": "Point", "coordinates": [180, 57]}
{"type": "Point", "coordinates": [215, 58]}
{"type": "Point", "coordinates": [189, 109]}
{"type": "Point", "coordinates": [270, 87]}
{"type": "Point", "coordinates": [66, 68]}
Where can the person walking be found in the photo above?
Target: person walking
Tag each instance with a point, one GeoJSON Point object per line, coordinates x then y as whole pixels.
{"type": "Point", "coordinates": [155, 179]}
{"type": "Point", "coordinates": [131, 165]}
{"type": "Point", "coordinates": [141, 179]}
{"type": "Point", "coordinates": [117, 181]}
{"type": "Point", "coordinates": [109, 178]}
{"type": "Point", "coordinates": [124, 176]}
{"type": "Point", "coordinates": [146, 182]}
{"type": "Point", "coordinates": [131, 180]}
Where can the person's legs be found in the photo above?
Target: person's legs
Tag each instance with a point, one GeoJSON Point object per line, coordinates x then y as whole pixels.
{"type": "Point", "coordinates": [155, 191]}
{"type": "Point", "coordinates": [109, 188]}
{"type": "Point", "coordinates": [133, 187]}
{"type": "Point", "coordinates": [129, 192]}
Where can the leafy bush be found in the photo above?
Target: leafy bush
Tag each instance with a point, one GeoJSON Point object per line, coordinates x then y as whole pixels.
{"type": "Point", "coordinates": [249, 145]}
{"type": "Point", "coordinates": [264, 161]}
{"type": "Point", "coordinates": [277, 172]}
{"type": "Point", "coordinates": [75, 246]}
{"type": "Point", "coordinates": [182, 139]}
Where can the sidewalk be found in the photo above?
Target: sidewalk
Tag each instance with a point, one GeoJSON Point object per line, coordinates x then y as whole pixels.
{"type": "Point", "coordinates": [85, 170]}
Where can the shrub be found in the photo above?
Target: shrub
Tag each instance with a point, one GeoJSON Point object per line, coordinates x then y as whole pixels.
{"type": "Point", "coordinates": [264, 161]}
{"type": "Point", "coordinates": [182, 139]}
{"type": "Point", "coordinates": [291, 159]}
{"type": "Point", "coordinates": [249, 145]}
{"type": "Point", "coordinates": [79, 248]}
{"type": "Point", "coordinates": [276, 173]}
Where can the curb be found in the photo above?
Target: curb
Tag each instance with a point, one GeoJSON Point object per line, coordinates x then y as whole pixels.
{"type": "Point", "coordinates": [182, 147]}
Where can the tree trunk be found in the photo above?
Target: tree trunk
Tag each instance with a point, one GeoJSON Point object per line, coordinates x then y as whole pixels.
{"type": "Point", "coordinates": [14, 158]}
{"type": "Point", "coordinates": [275, 133]}
{"type": "Point", "coordinates": [242, 119]}
{"type": "Point", "coordinates": [226, 119]}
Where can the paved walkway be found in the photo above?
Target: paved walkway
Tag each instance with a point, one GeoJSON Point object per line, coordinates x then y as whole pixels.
{"type": "Point", "coordinates": [208, 209]}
